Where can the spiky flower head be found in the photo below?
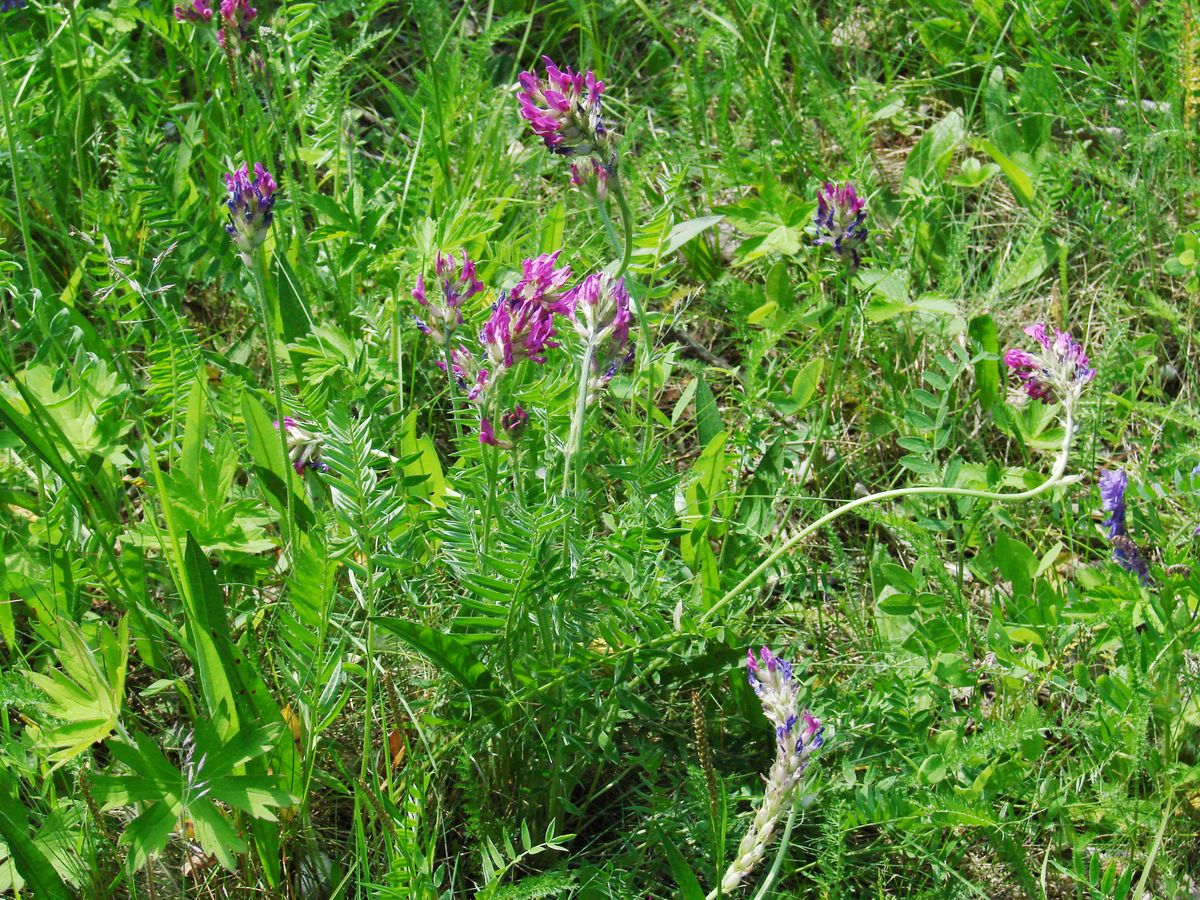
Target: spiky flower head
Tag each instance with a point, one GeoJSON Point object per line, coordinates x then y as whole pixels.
{"type": "Point", "coordinates": [250, 203]}
{"type": "Point", "coordinates": [236, 16]}
{"type": "Point", "coordinates": [198, 11]}
{"type": "Point", "coordinates": [304, 446]}
{"type": "Point", "coordinates": [564, 109]}
{"type": "Point", "coordinates": [798, 734]}
{"type": "Point", "coordinates": [590, 178]}
{"type": "Point", "coordinates": [839, 221]}
{"type": "Point", "coordinates": [541, 283]}
{"type": "Point", "coordinates": [599, 308]}
{"type": "Point", "coordinates": [517, 329]}
{"type": "Point", "coordinates": [468, 373]}
{"type": "Point", "coordinates": [1057, 369]}
{"type": "Point", "coordinates": [457, 282]}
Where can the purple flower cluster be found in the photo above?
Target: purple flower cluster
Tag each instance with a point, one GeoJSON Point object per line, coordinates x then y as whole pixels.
{"type": "Point", "coordinates": [8, 5]}
{"type": "Point", "coordinates": [251, 201]}
{"type": "Point", "coordinates": [599, 308]}
{"type": "Point", "coordinates": [517, 329]}
{"type": "Point", "coordinates": [839, 221]}
{"type": "Point", "coordinates": [1057, 370]}
{"type": "Point", "coordinates": [236, 16]}
{"type": "Point", "coordinates": [522, 326]}
{"type": "Point", "coordinates": [590, 178]}
{"type": "Point", "coordinates": [564, 110]}
{"type": "Point", "coordinates": [304, 446]}
{"type": "Point", "coordinates": [1113, 483]}
{"type": "Point", "coordinates": [457, 283]}
{"type": "Point", "coordinates": [200, 11]}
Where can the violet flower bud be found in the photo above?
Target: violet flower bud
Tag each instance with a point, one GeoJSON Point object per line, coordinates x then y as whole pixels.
{"type": "Point", "coordinates": [515, 421]}
{"type": "Point", "coordinates": [470, 376]}
{"type": "Point", "coordinates": [590, 177]}
{"type": "Point", "coordinates": [9, 5]}
{"type": "Point", "coordinates": [251, 201]}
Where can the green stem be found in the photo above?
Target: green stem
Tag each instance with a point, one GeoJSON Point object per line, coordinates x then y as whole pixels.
{"type": "Point", "coordinates": [451, 385]}
{"type": "Point", "coordinates": [10, 134]}
{"type": "Point", "coordinates": [834, 373]}
{"type": "Point", "coordinates": [1056, 476]}
{"type": "Point", "coordinates": [82, 98]}
{"type": "Point", "coordinates": [618, 191]}
{"type": "Point", "coordinates": [258, 265]}
{"type": "Point", "coordinates": [576, 434]}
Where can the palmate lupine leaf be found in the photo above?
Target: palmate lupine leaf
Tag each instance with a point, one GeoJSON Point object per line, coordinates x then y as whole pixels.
{"type": "Point", "coordinates": [87, 692]}
{"type": "Point", "coordinates": [171, 796]}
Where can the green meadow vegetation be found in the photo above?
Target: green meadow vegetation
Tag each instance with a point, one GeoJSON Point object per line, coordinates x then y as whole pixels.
{"type": "Point", "coordinates": [750, 452]}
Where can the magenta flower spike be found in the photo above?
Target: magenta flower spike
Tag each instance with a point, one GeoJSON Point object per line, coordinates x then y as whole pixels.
{"type": "Point", "coordinates": [542, 284]}
{"type": "Point", "coordinates": [517, 329]}
{"type": "Point", "coordinates": [839, 221]}
{"type": "Point", "coordinates": [200, 11]}
{"type": "Point", "coordinates": [236, 16]}
{"type": "Point", "coordinates": [1057, 369]}
{"type": "Point", "coordinates": [564, 109]}
{"type": "Point", "coordinates": [457, 282]}
{"type": "Point", "coordinates": [251, 201]}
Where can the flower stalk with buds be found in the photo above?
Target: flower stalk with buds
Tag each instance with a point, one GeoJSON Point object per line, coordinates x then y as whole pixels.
{"type": "Point", "coordinates": [251, 205]}
{"type": "Point", "coordinates": [797, 735]}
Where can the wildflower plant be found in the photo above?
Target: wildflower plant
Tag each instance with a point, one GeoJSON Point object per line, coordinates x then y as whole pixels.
{"type": "Point", "coordinates": [9, 5]}
{"type": "Point", "coordinates": [840, 221]}
{"type": "Point", "coordinates": [798, 734]}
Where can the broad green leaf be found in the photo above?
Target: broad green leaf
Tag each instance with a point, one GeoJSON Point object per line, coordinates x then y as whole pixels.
{"type": "Point", "coordinates": [687, 231]}
{"type": "Point", "coordinates": [87, 692]}
{"type": "Point", "coordinates": [685, 878]}
{"type": "Point", "coordinates": [708, 414]}
{"type": "Point", "coordinates": [1020, 180]}
{"type": "Point", "coordinates": [982, 331]}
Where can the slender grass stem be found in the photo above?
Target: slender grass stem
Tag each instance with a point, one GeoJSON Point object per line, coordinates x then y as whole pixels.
{"type": "Point", "coordinates": [22, 216]}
